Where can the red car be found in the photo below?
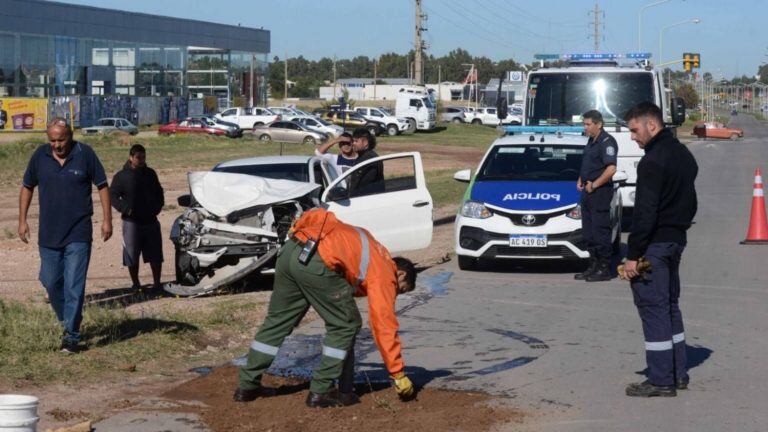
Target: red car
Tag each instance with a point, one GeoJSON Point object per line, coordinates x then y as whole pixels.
{"type": "Point", "coordinates": [716, 130]}
{"type": "Point", "coordinates": [189, 125]}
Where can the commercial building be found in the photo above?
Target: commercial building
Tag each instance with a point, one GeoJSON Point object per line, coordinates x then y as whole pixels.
{"type": "Point", "coordinates": [54, 49]}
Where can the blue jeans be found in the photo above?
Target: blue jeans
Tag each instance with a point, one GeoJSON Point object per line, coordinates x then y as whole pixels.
{"type": "Point", "coordinates": [62, 273]}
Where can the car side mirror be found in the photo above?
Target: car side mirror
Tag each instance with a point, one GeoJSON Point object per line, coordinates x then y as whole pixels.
{"type": "Point", "coordinates": [464, 175]}
{"type": "Point", "coordinates": [184, 200]}
{"type": "Point", "coordinates": [338, 193]}
{"type": "Point", "coordinates": [620, 178]}
{"type": "Point", "coordinates": [678, 111]}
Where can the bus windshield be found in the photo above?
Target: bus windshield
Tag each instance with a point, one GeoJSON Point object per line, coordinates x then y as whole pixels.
{"type": "Point", "coordinates": [561, 98]}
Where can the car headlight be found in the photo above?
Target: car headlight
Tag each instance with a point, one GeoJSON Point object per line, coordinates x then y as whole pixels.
{"type": "Point", "coordinates": [475, 210]}
{"type": "Point", "coordinates": [575, 212]}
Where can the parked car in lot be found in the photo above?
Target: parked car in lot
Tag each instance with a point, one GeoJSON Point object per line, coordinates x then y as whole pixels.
{"type": "Point", "coordinates": [247, 118]}
{"type": "Point", "coordinates": [238, 215]}
{"type": "Point", "coordinates": [109, 125]}
{"type": "Point", "coordinates": [453, 114]}
{"type": "Point", "coordinates": [394, 125]}
{"type": "Point", "coordinates": [288, 131]}
{"type": "Point", "coordinates": [522, 203]}
{"type": "Point", "coordinates": [190, 126]}
{"type": "Point", "coordinates": [317, 125]}
{"type": "Point", "coordinates": [488, 116]}
{"type": "Point", "coordinates": [231, 129]}
{"type": "Point", "coordinates": [352, 120]}
{"type": "Point", "coordinates": [716, 130]}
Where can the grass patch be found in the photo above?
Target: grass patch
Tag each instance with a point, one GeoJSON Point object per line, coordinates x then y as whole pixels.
{"type": "Point", "coordinates": [444, 189]}
{"type": "Point", "coordinates": [177, 152]}
{"type": "Point", "coordinates": [450, 134]}
{"type": "Point", "coordinates": [117, 342]}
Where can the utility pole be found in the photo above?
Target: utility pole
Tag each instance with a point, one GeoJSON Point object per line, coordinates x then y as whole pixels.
{"type": "Point", "coordinates": [334, 77]}
{"type": "Point", "coordinates": [418, 46]}
{"type": "Point", "coordinates": [285, 73]}
{"type": "Point", "coordinates": [375, 79]}
{"type": "Point", "coordinates": [597, 24]}
{"type": "Point", "coordinates": [439, 82]}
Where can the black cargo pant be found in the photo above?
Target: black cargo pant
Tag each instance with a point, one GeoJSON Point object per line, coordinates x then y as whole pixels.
{"type": "Point", "coordinates": [596, 222]}
{"type": "Point", "coordinates": [657, 295]}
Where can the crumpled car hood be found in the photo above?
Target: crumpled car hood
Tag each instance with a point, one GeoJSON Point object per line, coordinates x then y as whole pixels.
{"type": "Point", "coordinates": [223, 193]}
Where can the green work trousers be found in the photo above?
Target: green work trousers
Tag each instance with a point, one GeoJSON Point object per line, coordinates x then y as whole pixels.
{"type": "Point", "coordinates": [297, 287]}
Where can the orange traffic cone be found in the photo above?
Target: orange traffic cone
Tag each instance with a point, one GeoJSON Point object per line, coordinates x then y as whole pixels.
{"type": "Point", "coordinates": [758, 225]}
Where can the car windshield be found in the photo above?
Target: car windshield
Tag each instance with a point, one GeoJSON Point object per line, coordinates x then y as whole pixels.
{"type": "Point", "coordinates": [282, 171]}
{"type": "Point", "coordinates": [532, 162]}
{"type": "Point", "coordinates": [385, 111]}
{"type": "Point", "coordinates": [107, 122]}
{"type": "Point", "coordinates": [322, 122]}
{"type": "Point", "coordinates": [561, 98]}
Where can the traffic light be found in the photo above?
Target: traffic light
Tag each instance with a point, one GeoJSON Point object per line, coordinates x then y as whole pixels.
{"type": "Point", "coordinates": [687, 57]}
{"type": "Point", "coordinates": [696, 61]}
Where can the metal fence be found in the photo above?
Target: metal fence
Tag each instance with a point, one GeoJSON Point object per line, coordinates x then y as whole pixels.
{"type": "Point", "coordinates": [85, 111]}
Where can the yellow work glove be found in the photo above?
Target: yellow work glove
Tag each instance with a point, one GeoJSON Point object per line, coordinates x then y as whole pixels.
{"type": "Point", "coordinates": [403, 385]}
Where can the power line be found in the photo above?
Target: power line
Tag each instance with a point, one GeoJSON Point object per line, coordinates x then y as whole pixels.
{"type": "Point", "coordinates": [472, 32]}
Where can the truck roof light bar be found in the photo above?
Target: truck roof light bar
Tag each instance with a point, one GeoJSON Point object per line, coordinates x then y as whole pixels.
{"type": "Point", "coordinates": [558, 130]}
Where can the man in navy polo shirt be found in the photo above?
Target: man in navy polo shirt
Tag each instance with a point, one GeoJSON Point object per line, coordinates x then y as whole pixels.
{"type": "Point", "coordinates": [64, 172]}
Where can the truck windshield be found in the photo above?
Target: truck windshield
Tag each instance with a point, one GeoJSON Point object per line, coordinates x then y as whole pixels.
{"type": "Point", "coordinates": [427, 102]}
{"type": "Point", "coordinates": [532, 162]}
{"type": "Point", "coordinates": [561, 98]}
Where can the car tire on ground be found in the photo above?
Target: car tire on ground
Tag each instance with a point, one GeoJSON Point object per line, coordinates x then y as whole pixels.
{"type": "Point", "coordinates": [411, 126]}
{"type": "Point", "coordinates": [392, 130]}
{"type": "Point", "coordinates": [309, 140]}
{"type": "Point", "coordinates": [457, 120]}
{"type": "Point", "coordinates": [734, 137]}
{"type": "Point", "coordinates": [372, 130]}
{"type": "Point", "coordinates": [477, 122]}
{"type": "Point", "coordinates": [265, 138]}
{"type": "Point", "coordinates": [257, 124]}
{"type": "Point", "coordinates": [467, 263]}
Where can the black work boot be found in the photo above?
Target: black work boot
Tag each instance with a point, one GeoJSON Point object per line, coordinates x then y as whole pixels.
{"type": "Point", "coordinates": [590, 269]}
{"type": "Point", "coordinates": [348, 399]}
{"type": "Point", "coordinates": [247, 395]}
{"type": "Point", "coordinates": [324, 400]}
{"type": "Point", "coordinates": [601, 273]}
{"type": "Point", "coordinates": [681, 383]}
{"type": "Point", "coordinates": [646, 389]}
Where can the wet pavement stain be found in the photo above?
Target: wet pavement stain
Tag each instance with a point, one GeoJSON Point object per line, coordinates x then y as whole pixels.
{"type": "Point", "coordinates": [511, 364]}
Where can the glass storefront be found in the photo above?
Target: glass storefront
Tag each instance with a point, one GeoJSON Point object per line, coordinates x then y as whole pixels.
{"type": "Point", "coordinates": [44, 66]}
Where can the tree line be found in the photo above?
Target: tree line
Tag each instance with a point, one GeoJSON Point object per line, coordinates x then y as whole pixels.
{"type": "Point", "coordinates": [309, 75]}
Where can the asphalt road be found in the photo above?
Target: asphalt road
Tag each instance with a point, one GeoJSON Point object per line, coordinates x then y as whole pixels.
{"type": "Point", "coordinates": [564, 350]}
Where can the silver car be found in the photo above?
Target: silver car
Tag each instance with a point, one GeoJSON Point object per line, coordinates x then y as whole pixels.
{"type": "Point", "coordinates": [288, 131]}
{"type": "Point", "coordinates": [453, 114]}
{"type": "Point", "coordinates": [109, 125]}
{"type": "Point", "coordinates": [318, 125]}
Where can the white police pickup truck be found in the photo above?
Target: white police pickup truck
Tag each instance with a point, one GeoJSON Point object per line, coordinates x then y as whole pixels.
{"type": "Point", "coordinates": [522, 203]}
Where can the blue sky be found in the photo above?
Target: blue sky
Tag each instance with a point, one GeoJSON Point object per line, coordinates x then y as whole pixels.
{"type": "Point", "coordinates": [731, 36]}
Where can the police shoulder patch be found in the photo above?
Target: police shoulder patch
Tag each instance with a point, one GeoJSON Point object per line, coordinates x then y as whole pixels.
{"type": "Point", "coordinates": [610, 151]}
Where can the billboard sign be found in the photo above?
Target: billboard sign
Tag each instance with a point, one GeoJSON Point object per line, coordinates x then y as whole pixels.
{"type": "Point", "coordinates": [23, 114]}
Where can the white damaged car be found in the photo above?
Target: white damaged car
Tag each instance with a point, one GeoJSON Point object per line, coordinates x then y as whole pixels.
{"type": "Point", "coordinates": [239, 214]}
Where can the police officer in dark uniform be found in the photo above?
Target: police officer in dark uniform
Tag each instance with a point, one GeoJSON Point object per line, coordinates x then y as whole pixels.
{"type": "Point", "coordinates": [665, 205]}
{"type": "Point", "coordinates": [598, 166]}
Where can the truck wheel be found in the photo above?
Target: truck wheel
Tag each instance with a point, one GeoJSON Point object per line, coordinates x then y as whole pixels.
{"type": "Point", "coordinates": [411, 126]}
{"type": "Point", "coordinates": [265, 138]}
{"type": "Point", "coordinates": [392, 130]}
{"type": "Point", "coordinates": [477, 122]}
{"type": "Point", "coordinates": [309, 140]}
{"type": "Point", "coordinates": [467, 263]}
{"type": "Point", "coordinates": [457, 120]}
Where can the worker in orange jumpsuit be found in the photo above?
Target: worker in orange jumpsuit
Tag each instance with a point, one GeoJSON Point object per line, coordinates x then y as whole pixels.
{"type": "Point", "coordinates": [324, 264]}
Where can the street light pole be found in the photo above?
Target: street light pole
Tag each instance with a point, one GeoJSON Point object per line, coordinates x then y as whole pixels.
{"type": "Point", "coordinates": [640, 22]}
{"type": "Point", "coordinates": [661, 34]}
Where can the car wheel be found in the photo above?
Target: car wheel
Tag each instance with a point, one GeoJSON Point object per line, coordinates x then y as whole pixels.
{"type": "Point", "coordinates": [257, 124]}
{"type": "Point", "coordinates": [457, 120]}
{"type": "Point", "coordinates": [477, 122]}
{"type": "Point", "coordinates": [392, 130]}
{"type": "Point", "coordinates": [467, 263]}
{"type": "Point", "coordinates": [411, 126]}
{"type": "Point", "coordinates": [265, 138]}
{"type": "Point", "coordinates": [372, 130]}
{"type": "Point", "coordinates": [734, 137]}
{"type": "Point", "coordinates": [309, 140]}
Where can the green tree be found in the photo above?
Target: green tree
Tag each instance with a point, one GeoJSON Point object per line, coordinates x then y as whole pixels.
{"type": "Point", "coordinates": [688, 94]}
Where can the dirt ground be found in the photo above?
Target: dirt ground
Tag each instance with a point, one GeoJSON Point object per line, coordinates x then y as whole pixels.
{"type": "Point", "coordinates": [68, 404]}
{"type": "Point", "coordinates": [379, 408]}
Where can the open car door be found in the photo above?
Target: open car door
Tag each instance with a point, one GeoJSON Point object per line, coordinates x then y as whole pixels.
{"type": "Point", "coordinates": [388, 196]}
